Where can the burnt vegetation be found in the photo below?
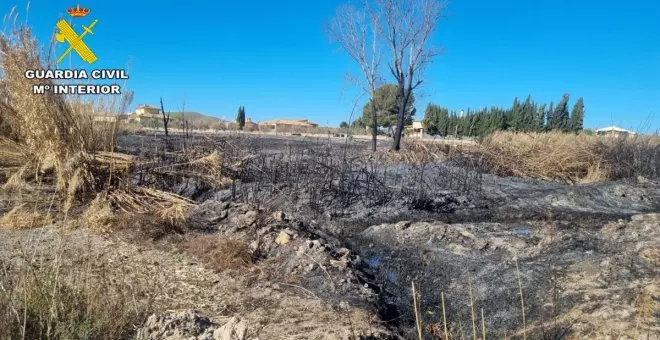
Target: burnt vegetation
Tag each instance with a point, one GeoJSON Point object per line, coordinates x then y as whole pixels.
{"type": "Point", "coordinates": [60, 168]}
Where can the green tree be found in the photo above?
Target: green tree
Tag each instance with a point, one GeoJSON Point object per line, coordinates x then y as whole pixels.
{"type": "Point", "coordinates": [517, 116]}
{"type": "Point", "coordinates": [240, 118]}
{"type": "Point", "coordinates": [436, 120]}
{"type": "Point", "coordinates": [343, 125]}
{"type": "Point", "coordinates": [527, 116]}
{"type": "Point", "coordinates": [387, 108]}
{"type": "Point", "coordinates": [539, 118]}
{"type": "Point", "coordinates": [577, 116]}
{"type": "Point", "coordinates": [559, 119]}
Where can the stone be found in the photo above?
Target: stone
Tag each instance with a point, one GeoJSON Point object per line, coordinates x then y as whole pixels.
{"type": "Point", "coordinates": [343, 253]}
{"type": "Point", "coordinates": [254, 245]}
{"type": "Point", "coordinates": [245, 220]}
{"type": "Point", "coordinates": [181, 325]}
{"type": "Point", "coordinates": [338, 263]}
{"type": "Point", "coordinates": [283, 238]}
{"type": "Point", "coordinates": [403, 225]}
{"type": "Point", "coordinates": [235, 329]}
{"type": "Point", "coordinates": [279, 216]}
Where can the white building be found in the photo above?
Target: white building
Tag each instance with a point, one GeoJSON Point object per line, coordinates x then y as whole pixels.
{"type": "Point", "coordinates": [614, 131]}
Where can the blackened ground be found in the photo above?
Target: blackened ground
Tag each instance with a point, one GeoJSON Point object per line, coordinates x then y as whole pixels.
{"type": "Point", "coordinates": [360, 231]}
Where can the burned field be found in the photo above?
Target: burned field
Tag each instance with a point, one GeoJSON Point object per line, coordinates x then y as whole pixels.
{"type": "Point", "coordinates": [111, 232]}
{"type": "Point", "coordinates": [269, 226]}
{"type": "Point", "coordinates": [329, 221]}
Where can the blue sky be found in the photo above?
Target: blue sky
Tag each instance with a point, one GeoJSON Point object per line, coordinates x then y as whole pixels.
{"type": "Point", "coordinates": [274, 58]}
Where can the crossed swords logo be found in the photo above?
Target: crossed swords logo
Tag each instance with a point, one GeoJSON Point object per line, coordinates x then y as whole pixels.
{"type": "Point", "coordinates": [76, 41]}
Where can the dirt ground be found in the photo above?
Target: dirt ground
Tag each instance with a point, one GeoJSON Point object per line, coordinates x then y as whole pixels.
{"type": "Point", "coordinates": [329, 268]}
{"type": "Point", "coordinates": [273, 309]}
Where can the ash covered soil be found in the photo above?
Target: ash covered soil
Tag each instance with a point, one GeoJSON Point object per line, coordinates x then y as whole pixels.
{"type": "Point", "coordinates": [337, 236]}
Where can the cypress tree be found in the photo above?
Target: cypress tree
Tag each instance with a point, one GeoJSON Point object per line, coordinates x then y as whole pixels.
{"type": "Point", "coordinates": [560, 117]}
{"type": "Point", "coordinates": [240, 118]}
{"type": "Point", "coordinates": [516, 116]}
{"type": "Point", "coordinates": [550, 117]}
{"type": "Point", "coordinates": [528, 112]}
{"type": "Point", "coordinates": [539, 119]}
{"type": "Point", "coordinates": [577, 116]}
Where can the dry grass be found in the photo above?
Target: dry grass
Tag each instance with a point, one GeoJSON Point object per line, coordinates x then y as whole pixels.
{"type": "Point", "coordinates": [43, 298]}
{"type": "Point", "coordinates": [218, 253]}
{"type": "Point", "coordinates": [53, 139]}
{"type": "Point", "coordinates": [571, 158]}
{"type": "Point", "coordinates": [23, 217]}
{"type": "Point", "coordinates": [48, 135]}
{"type": "Point", "coordinates": [647, 308]}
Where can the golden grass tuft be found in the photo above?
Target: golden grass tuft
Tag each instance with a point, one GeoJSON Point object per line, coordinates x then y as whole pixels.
{"type": "Point", "coordinates": [98, 215]}
{"type": "Point", "coordinates": [219, 253]}
{"type": "Point", "coordinates": [49, 134]}
{"type": "Point", "coordinates": [548, 156]}
{"type": "Point", "coordinates": [213, 159]}
{"type": "Point", "coordinates": [24, 217]}
{"type": "Point", "coordinates": [570, 158]}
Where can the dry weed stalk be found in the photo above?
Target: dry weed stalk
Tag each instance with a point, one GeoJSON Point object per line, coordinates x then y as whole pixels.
{"type": "Point", "coordinates": [50, 134]}
{"type": "Point", "coordinates": [444, 315]}
{"type": "Point", "coordinates": [522, 301]}
{"type": "Point", "coordinates": [483, 325]}
{"type": "Point", "coordinates": [646, 309]}
{"type": "Point", "coordinates": [474, 325]}
{"type": "Point", "coordinates": [416, 309]}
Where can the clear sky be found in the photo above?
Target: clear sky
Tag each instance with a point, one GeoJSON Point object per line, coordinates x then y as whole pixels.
{"type": "Point", "coordinates": [274, 58]}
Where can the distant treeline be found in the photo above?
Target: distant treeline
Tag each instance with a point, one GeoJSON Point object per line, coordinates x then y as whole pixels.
{"type": "Point", "coordinates": [527, 116]}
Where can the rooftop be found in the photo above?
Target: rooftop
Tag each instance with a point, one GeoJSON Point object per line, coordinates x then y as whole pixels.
{"type": "Point", "coordinates": [615, 129]}
{"type": "Point", "coordinates": [299, 122]}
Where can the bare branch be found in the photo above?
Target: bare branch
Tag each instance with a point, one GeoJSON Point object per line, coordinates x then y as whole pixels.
{"type": "Point", "coordinates": [357, 31]}
{"type": "Point", "coordinates": [408, 26]}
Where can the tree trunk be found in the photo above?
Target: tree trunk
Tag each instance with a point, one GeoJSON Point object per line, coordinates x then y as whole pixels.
{"type": "Point", "coordinates": [374, 125]}
{"type": "Point", "coordinates": [403, 101]}
{"type": "Point", "coordinates": [166, 118]}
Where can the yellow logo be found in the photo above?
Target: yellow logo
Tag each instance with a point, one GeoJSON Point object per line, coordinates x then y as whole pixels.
{"type": "Point", "coordinates": [77, 44]}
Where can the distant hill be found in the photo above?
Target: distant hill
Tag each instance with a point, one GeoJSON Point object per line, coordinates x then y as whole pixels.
{"type": "Point", "coordinates": [196, 117]}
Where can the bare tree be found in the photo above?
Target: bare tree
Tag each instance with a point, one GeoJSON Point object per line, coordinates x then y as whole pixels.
{"type": "Point", "coordinates": [185, 124]}
{"type": "Point", "coordinates": [407, 28]}
{"type": "Point", "coordinates": [356, 30]}
{"type": "Point", "coordinates": [166, 116]}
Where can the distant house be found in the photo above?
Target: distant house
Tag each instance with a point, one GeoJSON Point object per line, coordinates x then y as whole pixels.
{"type": "Point", "coordinates": [613, 131]}
{"type": "Point", "coordinates": [417, 129]}
{"type": "Point", "coordinates": [146, 110]}
{"type": "Point", "coordinates": [250, 125]}
{"type": "Point", "coordinates": [287, 125]}
{"type": "Point", "coordinates": [145, 114]}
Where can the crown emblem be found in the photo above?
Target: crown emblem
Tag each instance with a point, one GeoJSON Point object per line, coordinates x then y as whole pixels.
{"type": "Point", "coordinates": [77, 12]}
